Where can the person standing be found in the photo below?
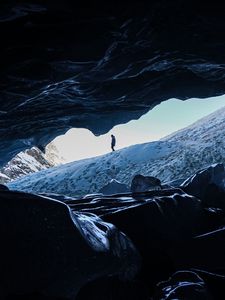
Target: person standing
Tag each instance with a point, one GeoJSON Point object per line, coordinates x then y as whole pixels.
{"type": "Point", "coordinates": [113, 142]}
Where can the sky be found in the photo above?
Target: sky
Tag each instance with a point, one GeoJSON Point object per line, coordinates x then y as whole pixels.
{"type": "Point", "coordinates": [165, 118]}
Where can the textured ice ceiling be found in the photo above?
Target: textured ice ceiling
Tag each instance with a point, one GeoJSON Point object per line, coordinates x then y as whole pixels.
{"type": "Point", "coordinates": [68, 64]}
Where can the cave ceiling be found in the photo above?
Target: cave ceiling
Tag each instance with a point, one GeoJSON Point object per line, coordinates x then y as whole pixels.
{"type": "Point", "coordinates": [70, 64]}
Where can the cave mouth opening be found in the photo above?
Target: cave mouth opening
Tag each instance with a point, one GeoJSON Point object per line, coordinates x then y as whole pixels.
{"type": "Point", "coordinates": [79, 143]}
{"type": "Point", "coordinates": [164, 119]}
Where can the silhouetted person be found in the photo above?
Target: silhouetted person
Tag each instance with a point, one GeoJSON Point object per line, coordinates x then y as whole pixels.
{"type": "Point", "coordinates": [113, 142]}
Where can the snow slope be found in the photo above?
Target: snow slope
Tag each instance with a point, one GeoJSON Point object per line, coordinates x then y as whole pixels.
{"type": "Point", "coordinates": [175, 156]}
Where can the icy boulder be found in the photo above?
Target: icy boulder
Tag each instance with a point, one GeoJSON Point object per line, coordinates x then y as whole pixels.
{"type": "Point", "coordinates": [114, 187]}
{"type": "Point", "coordinates": [142, 183]}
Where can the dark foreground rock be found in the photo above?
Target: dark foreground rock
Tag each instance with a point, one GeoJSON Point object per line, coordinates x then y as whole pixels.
{"type": "Point", "coordinates": [208, 185]}
{"type": "Point", "coordinates": [203, 252]}
{"type": "Point", "coordinates": [155, 224]}
{"type": "Point", "coordinates": [71, 250]}
{"type": "Point", "coordinates": [48, 250]}
{"type": "Point", "coordinates": [166, 226]}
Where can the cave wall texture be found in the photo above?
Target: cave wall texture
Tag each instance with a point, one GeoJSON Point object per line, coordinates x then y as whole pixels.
{"type": "Point", "coordinates": [71, 64]}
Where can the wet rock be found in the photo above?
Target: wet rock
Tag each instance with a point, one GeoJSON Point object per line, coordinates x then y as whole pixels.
{"type": "Point", "coordinates": [114, 187]}
{"type": "Point", "coordinates": [155, 224]}
{"type": "Point", "coordinates": [142, 183]}
{"type": "Point", "coordinates": [47, 249]}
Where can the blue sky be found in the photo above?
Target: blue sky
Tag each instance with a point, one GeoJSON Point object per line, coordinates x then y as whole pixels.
{"type": "Point", "coordinates": [169, 116]}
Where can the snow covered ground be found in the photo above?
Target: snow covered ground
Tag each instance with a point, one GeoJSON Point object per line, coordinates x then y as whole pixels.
{"type": "Point", "coordinates": [173, 157]}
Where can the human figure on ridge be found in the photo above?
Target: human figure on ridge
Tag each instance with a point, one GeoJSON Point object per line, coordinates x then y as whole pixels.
{"type": "Point", "coordinates": [113, 142]}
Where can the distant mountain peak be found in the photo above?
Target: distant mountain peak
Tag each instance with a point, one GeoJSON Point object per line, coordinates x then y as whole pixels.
{"type": "Point", "coordinates": [30, 161]}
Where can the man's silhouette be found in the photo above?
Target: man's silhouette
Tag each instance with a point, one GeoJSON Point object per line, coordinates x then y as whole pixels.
{"type": "Point", "coordinates": [113, 142]}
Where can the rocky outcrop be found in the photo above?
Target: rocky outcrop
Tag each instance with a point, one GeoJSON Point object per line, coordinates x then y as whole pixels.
{"type": "Point", "coordinates": [30, 161]}
{"type": "Point", "coordinates": [107, 64]}
{"type": "Point", "coordinates": [27, 162]}
{"type": "Point", "coordinates": [142, 183]}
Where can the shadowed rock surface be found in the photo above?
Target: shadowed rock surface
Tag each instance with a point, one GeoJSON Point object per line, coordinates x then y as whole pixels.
{"type": "Point", "coordinates": [166, 230]}
{"type": "Point", "coordinates": [208, 185]}
{"type": "Point", "coordinates": [142, 183]}
{"type": "Point", "coordinates": [48, 250]}
{"type": "Point", "coordinates": [70, 64]}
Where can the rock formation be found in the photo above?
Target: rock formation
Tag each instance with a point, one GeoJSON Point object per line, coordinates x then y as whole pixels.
{"type": "Point", "coordinates": [48, 250]}
{"type": "Point", "coordinates": [142, 183]}
{"type": "Point", "coordinates": [24, 163]}
{"type": "Point", "coordinates": [145, 237]}
{"type": "Point", "coordinates": [173, 233]}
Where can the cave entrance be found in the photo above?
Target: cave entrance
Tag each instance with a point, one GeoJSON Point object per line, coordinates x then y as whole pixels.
{"type": "Point", "coordinates": [162, 120]}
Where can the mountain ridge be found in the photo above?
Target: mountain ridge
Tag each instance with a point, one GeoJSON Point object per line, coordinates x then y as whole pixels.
{"type": "Point", "coordinates": [30, 161]}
